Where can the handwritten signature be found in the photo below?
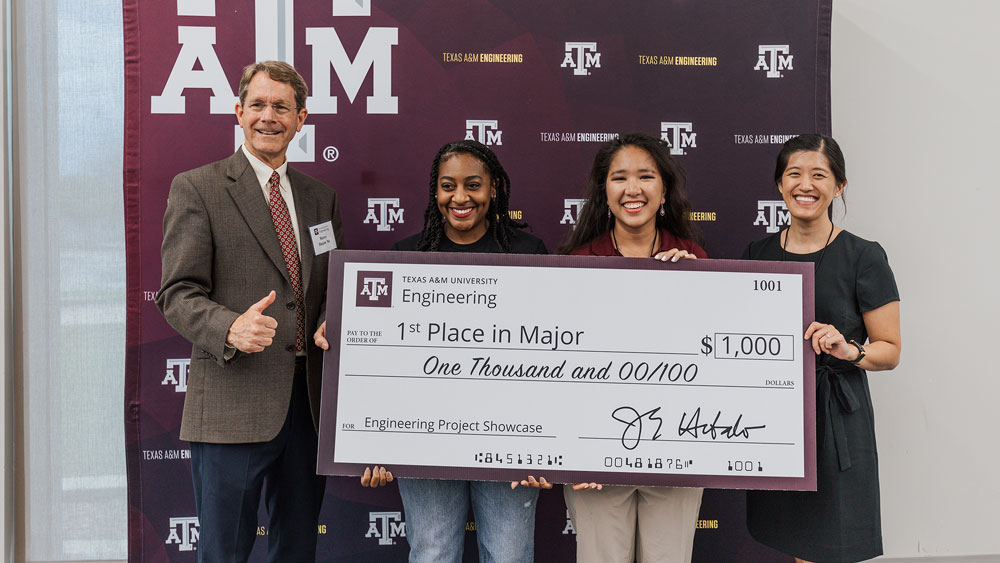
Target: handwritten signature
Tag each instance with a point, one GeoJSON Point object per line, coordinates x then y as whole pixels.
{"type": "Point", "coordinates": [690, 425]}
{"type": "Point", "coordinates": [695, 428]}
{"type": "Point", "coordinates": [632, 420]}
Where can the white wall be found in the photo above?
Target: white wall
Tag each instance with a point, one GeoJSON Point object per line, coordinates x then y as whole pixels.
{"type": "Point", "coordinates": [916, 88]}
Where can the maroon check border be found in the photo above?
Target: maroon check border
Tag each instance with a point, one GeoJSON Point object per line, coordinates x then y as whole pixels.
{"type": "Point", "coordinates": [328, 409]}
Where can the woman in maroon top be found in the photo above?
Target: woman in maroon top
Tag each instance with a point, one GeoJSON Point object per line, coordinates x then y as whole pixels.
{"type": "Point", "coordinates": [636, 204]}
{"type": "Point", "coordinates": [635, 207]}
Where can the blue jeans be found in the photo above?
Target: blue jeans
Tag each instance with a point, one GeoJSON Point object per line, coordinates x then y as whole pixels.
{"type": "Point", "coordinates": [435, 520]}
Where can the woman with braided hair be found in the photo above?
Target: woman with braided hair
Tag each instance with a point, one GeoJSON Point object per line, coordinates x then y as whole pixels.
{"type": "Point", "coordinates": [468, 206]}
{"type": "Point", "coordinates": [467, 211]}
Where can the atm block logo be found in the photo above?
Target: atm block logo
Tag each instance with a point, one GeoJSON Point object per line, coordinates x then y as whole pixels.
{"type": "Point", "coordinates": [184, 533]}
{"type": "Point", "coordinates": [773, 59]}
{"type": "Point", "coordinates": [384, 212]}
{"type": "Point", "coordinates": [486, 131]}
{"type": "Point", "coordinates": [581, 56]}
{"type": "Point", "coordinates": [374, 289]}
{"type": "Point", "coordinates": [772, 214]}
{"type": "Point", "coordinates": [177, 374]}
{"type": "Point", "coordinates": [571, 210]}
{"type": "Point", "coordinates": [679, 136]}
{"type": "Point", "coordinates": [386, 527]}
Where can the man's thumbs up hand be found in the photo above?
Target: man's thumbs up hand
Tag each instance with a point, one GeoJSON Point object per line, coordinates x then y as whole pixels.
{"type": "Point", "coordinates": [253, 330]}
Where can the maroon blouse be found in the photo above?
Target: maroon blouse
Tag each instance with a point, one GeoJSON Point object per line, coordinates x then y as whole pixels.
{"type": "Point", "coordinates": [603, 246]}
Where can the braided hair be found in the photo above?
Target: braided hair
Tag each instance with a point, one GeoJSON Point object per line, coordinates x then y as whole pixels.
{"type": "Point", "coordinates": [498, 214]}
{"type": "Point", "coordinates": [594, 218]}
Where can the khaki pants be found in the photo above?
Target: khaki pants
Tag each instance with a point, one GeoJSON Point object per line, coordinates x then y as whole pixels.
{"type": "Point", "coordinates": [625, 524]}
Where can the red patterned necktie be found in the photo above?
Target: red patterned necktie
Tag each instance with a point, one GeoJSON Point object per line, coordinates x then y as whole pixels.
{"type": "Point", "coordinates": [286, 236]}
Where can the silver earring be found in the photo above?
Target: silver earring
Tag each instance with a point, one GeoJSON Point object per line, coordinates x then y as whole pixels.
{"type": "Point", "coordinates": [609, 212]}
{"type": "Point", "coordinates": [662, 212]}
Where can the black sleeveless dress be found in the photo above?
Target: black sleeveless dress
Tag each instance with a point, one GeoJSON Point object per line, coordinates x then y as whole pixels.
{"type": "Point", "coordinates": [840, 521]}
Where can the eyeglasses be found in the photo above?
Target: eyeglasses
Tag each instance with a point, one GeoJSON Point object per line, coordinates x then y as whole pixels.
{"type": "Point", "coordinates": [278, 108]}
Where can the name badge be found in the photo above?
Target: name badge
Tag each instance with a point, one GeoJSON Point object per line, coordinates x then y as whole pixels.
{"type": "Point", "coordinates": [322, 237]}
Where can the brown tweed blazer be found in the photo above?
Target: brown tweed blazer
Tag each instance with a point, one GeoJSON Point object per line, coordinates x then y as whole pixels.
{"type": "Point", "coordinates": [220, 255]}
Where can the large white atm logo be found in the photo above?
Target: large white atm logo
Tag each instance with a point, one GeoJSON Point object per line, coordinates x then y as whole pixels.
{"type": "Point", "coordinates": [773, 59]}
{"type": "Point", "coordinates": [184, 532]}
{"type": "Point", "coordinates": [197, 64]}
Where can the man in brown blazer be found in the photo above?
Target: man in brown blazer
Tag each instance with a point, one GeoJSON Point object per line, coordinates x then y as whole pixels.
{"type": "Point", "coordinates": [246, 243]}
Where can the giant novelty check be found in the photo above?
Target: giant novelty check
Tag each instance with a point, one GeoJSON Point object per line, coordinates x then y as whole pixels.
{"type": "Point", "coordinates": [610, 370]}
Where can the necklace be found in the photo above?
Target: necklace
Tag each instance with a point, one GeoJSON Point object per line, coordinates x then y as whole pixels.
{"type": "Point", "coordinates": [652, 247]}
{"type": "Point", "coordinates": [825, 245]}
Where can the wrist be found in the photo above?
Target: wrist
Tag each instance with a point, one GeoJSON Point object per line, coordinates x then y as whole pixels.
{"type": "Point", "coordinates": [861, 352]}
{"type": "Point", "coordinates": [231, 332]}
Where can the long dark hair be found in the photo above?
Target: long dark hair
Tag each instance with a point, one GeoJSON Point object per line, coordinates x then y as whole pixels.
{"type": "Point", "coordinates": [498, 214]}
{"type": "Point", "coordinates": [594, 221]}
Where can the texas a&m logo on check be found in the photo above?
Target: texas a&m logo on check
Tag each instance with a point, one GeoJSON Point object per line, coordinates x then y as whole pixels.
{"type": "Point", "coordinates": [374, 289]}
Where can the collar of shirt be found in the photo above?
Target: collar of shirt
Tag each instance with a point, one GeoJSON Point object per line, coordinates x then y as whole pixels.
{"type": "Point", "coordinates": [263, 173]}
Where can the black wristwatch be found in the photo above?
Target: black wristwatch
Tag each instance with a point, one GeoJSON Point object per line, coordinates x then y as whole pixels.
{"type": "Point", "coordinates": [861, 352]}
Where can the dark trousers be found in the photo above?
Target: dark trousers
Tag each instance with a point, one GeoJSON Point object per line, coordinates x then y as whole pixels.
{"type": "Point", "coordinates": [228, 479]}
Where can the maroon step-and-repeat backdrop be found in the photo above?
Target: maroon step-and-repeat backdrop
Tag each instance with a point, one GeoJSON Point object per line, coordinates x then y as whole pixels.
{"type": "Point", "coordinates": [543, 83]}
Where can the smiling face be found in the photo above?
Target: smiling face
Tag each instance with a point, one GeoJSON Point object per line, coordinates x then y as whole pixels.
{"type": "Point", "coordinates": [464, 191]}
{"type": "Point", "coordinates": [808, 186]}
{"type": "Point", "coordinates": [634, 188]}
{"type": "Point", "coordinates": [269, 118]}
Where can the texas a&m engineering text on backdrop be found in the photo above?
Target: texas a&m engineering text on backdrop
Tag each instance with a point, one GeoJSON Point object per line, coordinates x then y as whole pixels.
{"type": "Point", "coordinates": [544, 84]}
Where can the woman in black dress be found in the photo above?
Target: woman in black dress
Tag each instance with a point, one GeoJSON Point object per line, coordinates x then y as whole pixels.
{"type": "Point", "coordinates": [856, 330]}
